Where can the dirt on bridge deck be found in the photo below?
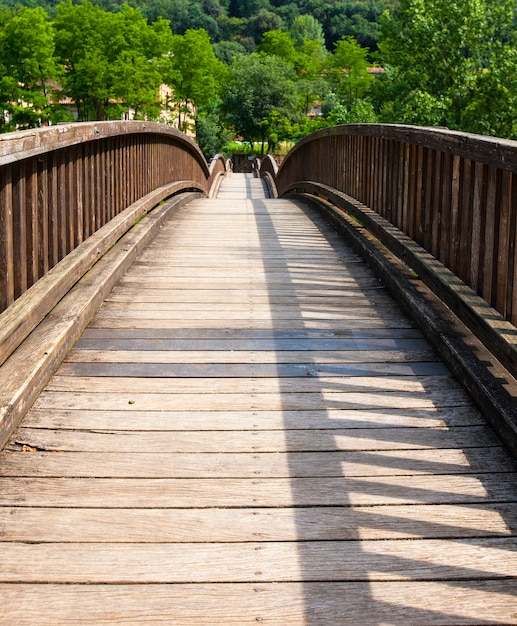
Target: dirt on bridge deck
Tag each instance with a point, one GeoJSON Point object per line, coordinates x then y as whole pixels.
{"type": "Point", "coordinates": [250, 430]}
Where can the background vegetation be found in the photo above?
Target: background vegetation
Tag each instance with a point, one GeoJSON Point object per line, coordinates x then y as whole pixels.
{"type": "Point", "coordinates": [264, 71]}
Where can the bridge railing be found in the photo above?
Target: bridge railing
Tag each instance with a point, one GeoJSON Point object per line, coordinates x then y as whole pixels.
{"type": "Point", "coordinates": [61, 184]}
{"type": "Point", "coordinates": [68, 193]}
{"type": "Point", "coordinates": [453, 193]}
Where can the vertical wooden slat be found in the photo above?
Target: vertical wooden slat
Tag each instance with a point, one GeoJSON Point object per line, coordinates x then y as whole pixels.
{"type": "Point", "coordinates": [419, 186]}
{"type": "Point", "coordinates": [477, 226]}
{"type": "Point", "coordinates": [86, 191]}
{"type": "Point", "coordinates": [33, 233]}
{"type": "Point", "coordinates": [389, 178]}
{"type": "Point", "coordinates": [490, 232]}
{"type": "Point", "coordinates": [98, 209]}
{"type": "Point", "coordinates": [6, 239]}
{"type": "Point", "coordinates": [71, 206]}
{"type": "Point", "coordinates": [406, 182]}
{"type": "Point", "coordinates": [63, 232]}
{"type": "Point", "coordinates": [19, 230]}
{"type": "Point", "coordinates": [103, 182]}
{"type": "Point", "coordinates": [445, 210]}
{"type": "Point", "coordinates": [503, 250]}
{"type": "Point", "coordinates": [436, 208]}
{"type": "Point", "coordinates": [43, 217]}
{"type": "Point", "coordinates": [511, 297]}
{"type": "Point", "coordinates": [453, 239]}
{"type": "Point", "coordinates": [465, 221]}
{"type": "Point", "coordinates": [78, 192]}
{"type": "Point", "coordinates": [53, 210]}
{"type": "Point", "coordinates": [429, 208]}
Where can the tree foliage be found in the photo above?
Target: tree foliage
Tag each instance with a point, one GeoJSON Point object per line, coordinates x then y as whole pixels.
{"type": "Point", "coordinates": [260, 98]}
{"type": "Point", "coordinates": [445, 57]}
{"type": "Point", "coordinates": [195, 73]}
{"type": "Point", "coordinates": [264, 68]}
{"type": "Point", "coordinates": [27, 65]}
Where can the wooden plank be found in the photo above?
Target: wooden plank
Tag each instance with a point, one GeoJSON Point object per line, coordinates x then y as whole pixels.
{"type": "Point", "coordinates": [264, 492]}
{"type": "Point", "coordinates": [423, 559]}
{"type": "Point", "coordinates": [50, 525]}
{"type": "Point", "coordinates": [55, 463]}
{"type": "Point", "coordinates": [131, 401]}
{"type": "Point", "coordinates": [292, 309]}
{"type": "Point", "coordinates": [332, 337]}
{"type": "Point", "coordinates": [295, 285]}
{"type": "Point", "coordinates": [259, 370]}
{"type": "Point", "coordinates": [111, 314]}
{"type": "Point", "coordinates": [259, 440]}
{"type": "Point", "coordinates": [241, 323]}
{"type": "Point", "coordinates": [157, 340]}
{"type": "Point", "coordinates": [326, 604]}
{"type": "Point", "coordinates": [178, 297]}
{"type": "Point", "coordinates": [228, 419]}
{"type": "Point", "coordinates": [362, 359]}
{"type": "Point", "coordinates": [311, 383]}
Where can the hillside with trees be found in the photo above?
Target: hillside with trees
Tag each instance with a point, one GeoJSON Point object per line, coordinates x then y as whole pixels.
{"type": "Point", "coordinates": [260, 70]}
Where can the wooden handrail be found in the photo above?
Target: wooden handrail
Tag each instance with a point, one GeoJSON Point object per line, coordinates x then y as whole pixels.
{"type": "Point", "coordinates": [455, 194]}
{"type": "Point", "coordinates": [59, 185]}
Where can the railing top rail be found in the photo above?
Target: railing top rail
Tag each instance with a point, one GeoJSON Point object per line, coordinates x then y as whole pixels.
{"type": "Point", "coordinates": [501, 153]}
{"type": "Point", "coordinates": [29, 143]}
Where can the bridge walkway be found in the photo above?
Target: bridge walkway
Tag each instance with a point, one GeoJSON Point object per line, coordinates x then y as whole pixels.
{"type": "Point", "coordinates": [250, 430]}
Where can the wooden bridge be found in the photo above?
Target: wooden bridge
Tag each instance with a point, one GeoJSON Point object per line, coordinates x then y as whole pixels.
{"type": "Point", "coordinates": [227, 399]}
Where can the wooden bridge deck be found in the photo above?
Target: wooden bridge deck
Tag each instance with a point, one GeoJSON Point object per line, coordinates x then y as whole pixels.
{"type": "Point", "coordinates": [250, 430]}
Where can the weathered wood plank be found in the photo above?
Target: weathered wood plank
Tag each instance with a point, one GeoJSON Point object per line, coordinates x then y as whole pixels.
{"type": "Point", "coordinates": [371, 464]}
{"type": "Point", "coordinates": [161, 341]}
{"type": "Point", "coordinates": [338, 561]}
{"type": "Point", "coordinates": [257, 370]}
{"type": "Point", "coordinates": [381, 359]}
{"type": "Point", "coordinates": [247, 322]}
{"type": "Point", "coordinates": [131, 401]}
{"type": "Point", "coordinates": [331, 336]}
{"type": "Point", "coordinates": [326, 604]}
{"type": "Point", "coordinates": [258, 440]}
{"type": "Point", "coordinates": [359, 309]}
{"type": "Point", "coordinates": [227, 419]}
{"type": "Point", "coordinates": [183, 297]}
{"type": "Point", "coordinates": [50, 525]}
{"type": "Point", "coordinates": [266, 492]}
{"type": "Point", "coordinates": [310, 383]}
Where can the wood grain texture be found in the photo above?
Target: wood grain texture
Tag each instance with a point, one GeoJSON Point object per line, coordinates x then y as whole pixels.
{"type": "Point", "coordinates": [327, 604]}
{"type": "Point", "coordinates": [257, 492]}
{"type": "Point", "coordinates": [425, 559]}
{"type": "Point", "coordinates": [92, 419]}
{"type": "Point", "coordinates": [247, 431]}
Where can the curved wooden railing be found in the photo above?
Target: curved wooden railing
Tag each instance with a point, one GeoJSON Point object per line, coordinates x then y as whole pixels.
{"type": "Point", "coordinates": [454, 194]}
{"type": "Point", "coordinates": [61, 185]}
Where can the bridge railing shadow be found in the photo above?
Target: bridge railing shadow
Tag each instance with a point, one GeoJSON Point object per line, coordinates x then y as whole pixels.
{"type": "Point", "coordinates": [435, 211]}
{"type": "Point", "coordinates": [395, 521]}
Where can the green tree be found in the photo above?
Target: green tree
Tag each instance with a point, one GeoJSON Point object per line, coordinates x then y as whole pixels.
{"type": "Point", "coordinates": [307, 28]}
{"type": "Point", "coordinates": [259, 96]}
{"type": "Point", "coordinates": [350, 75]}
{"type": "Point", "coordinates": [112, 61]}
{"type": "Point", "coordinates": [82, 32]}
{"type": "Point", "coordinates": [281, 44]}
{"type": "Point", "coordinates": [443, 55]}
{"type": "Point", "coordinates": [211, 132]}
{"type": "Point", "coordinates": [262, 22]}
{"type": "Point", "coordinates": [195, 73]}
{"type": "Point", "coordinates": [27, 66]}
